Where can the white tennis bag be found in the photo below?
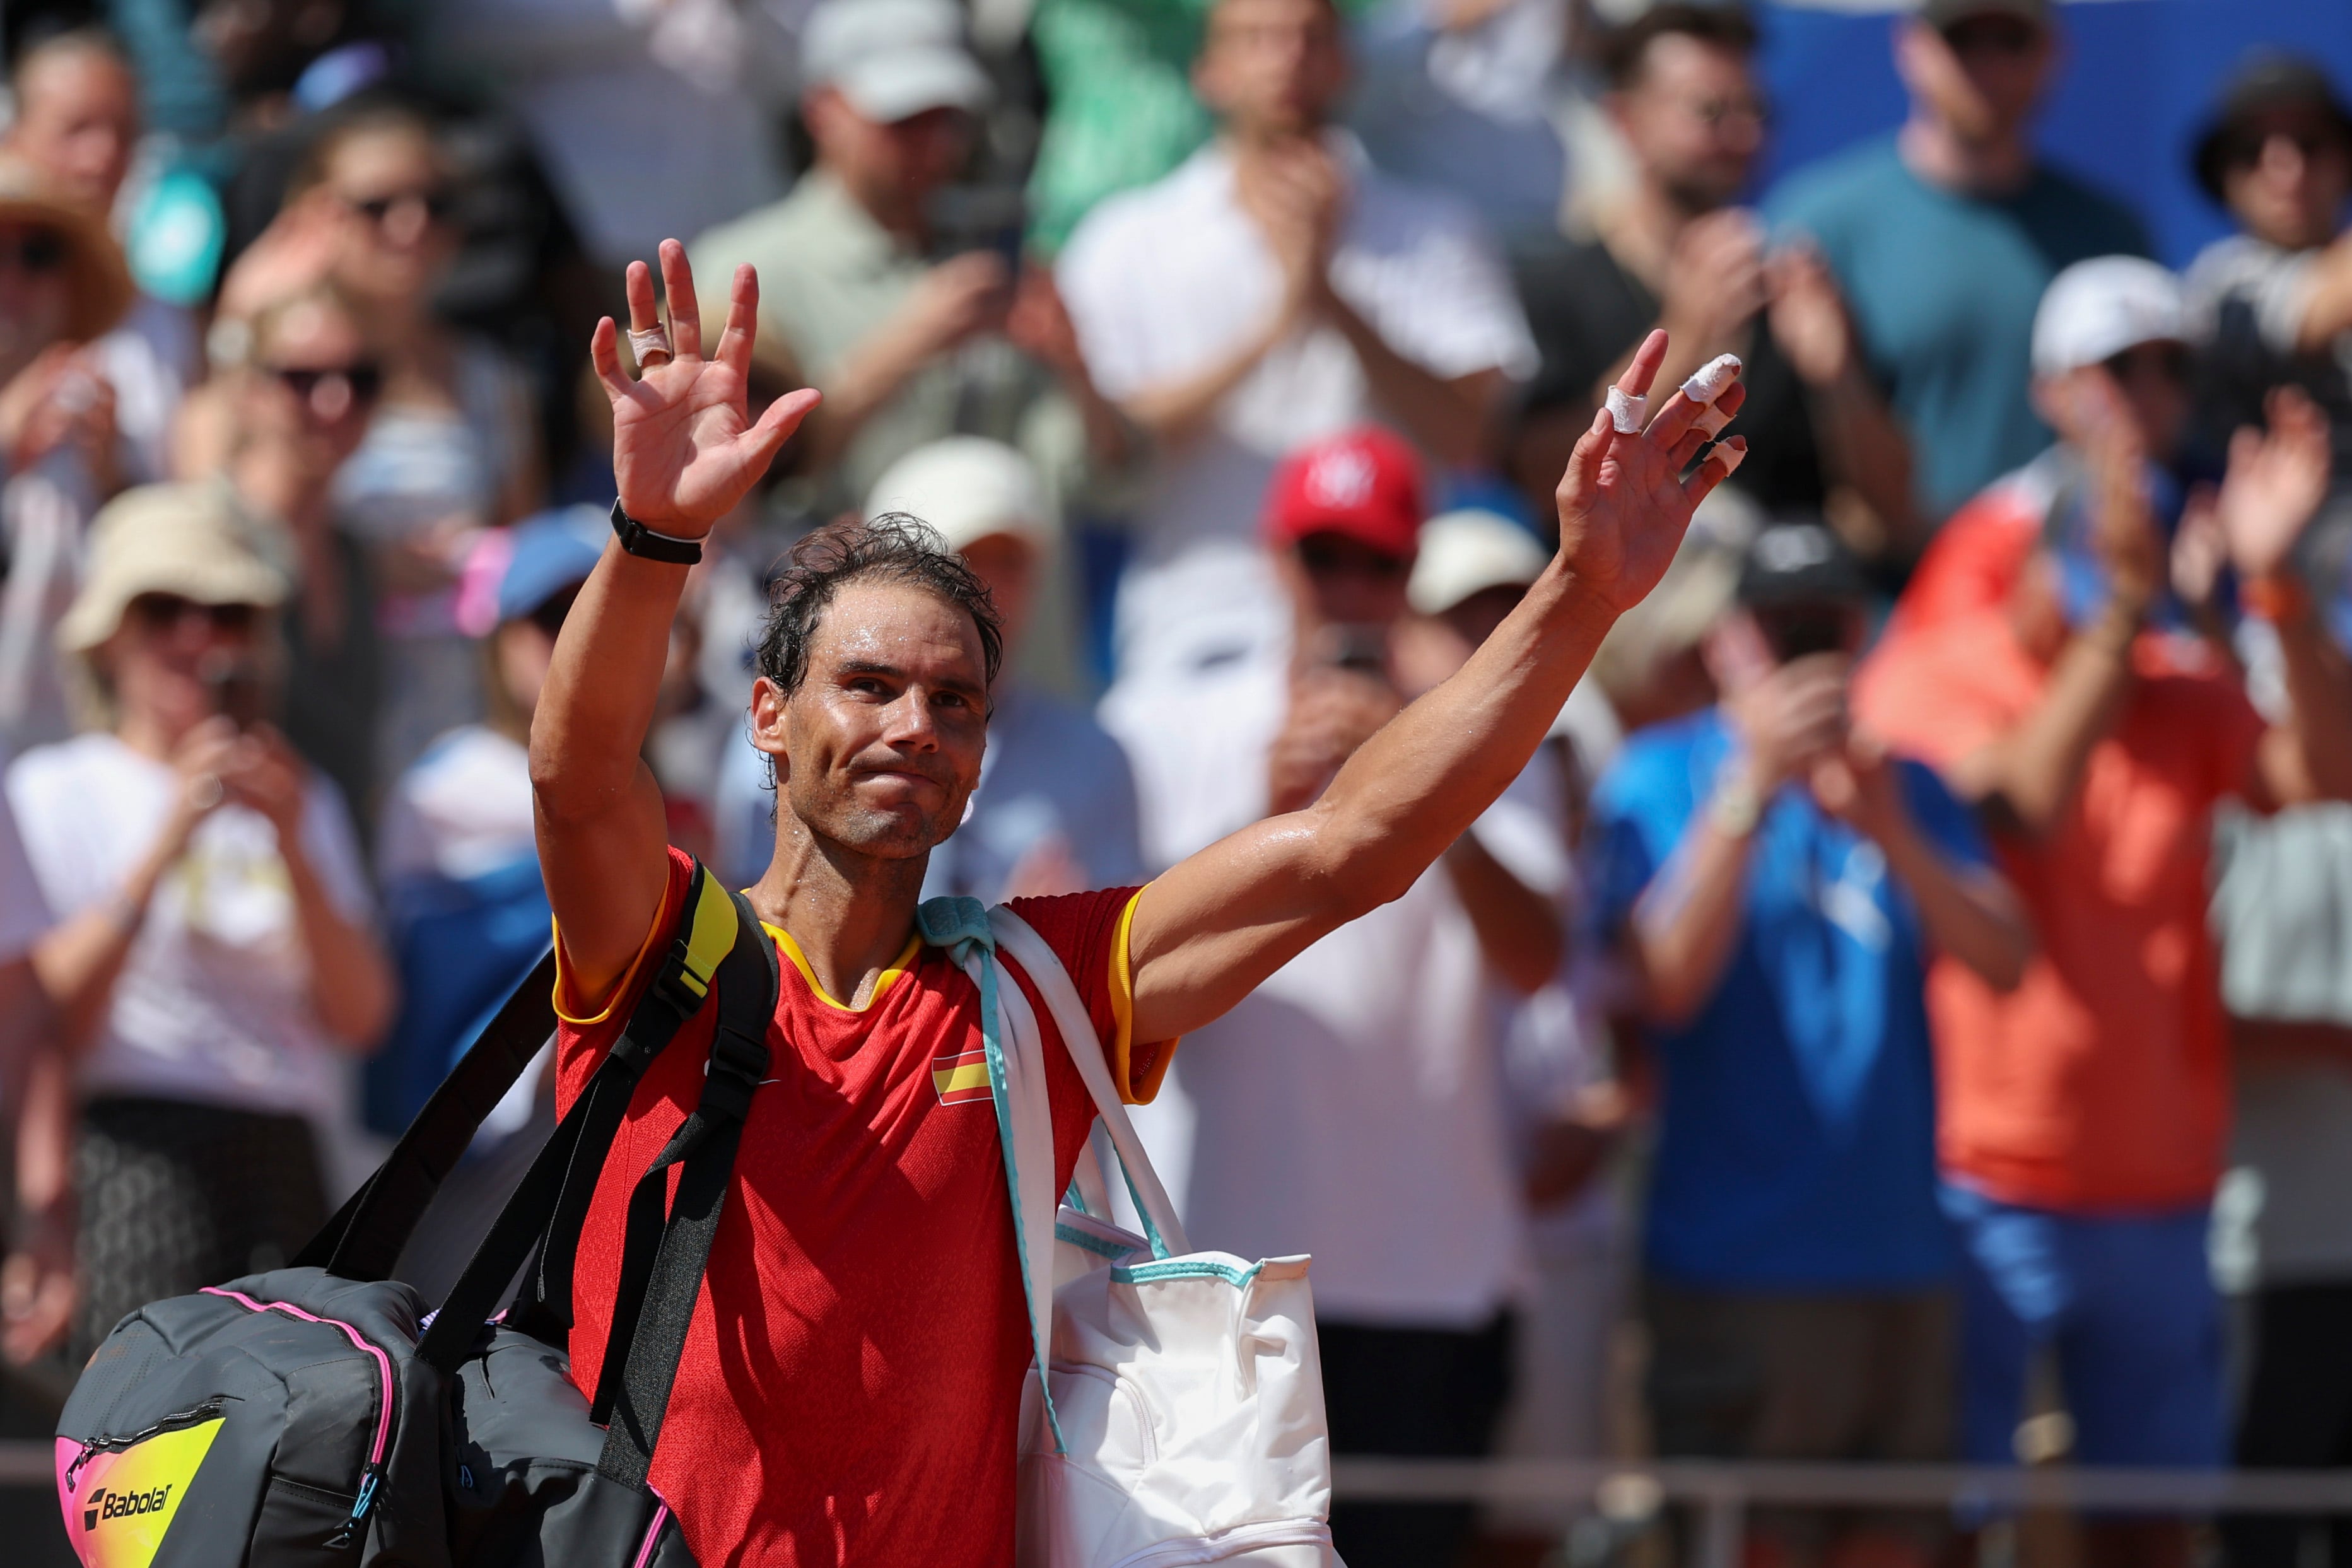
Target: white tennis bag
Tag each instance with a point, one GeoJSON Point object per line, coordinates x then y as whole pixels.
{"type": "Point", "coordinates": [1182, 1421]}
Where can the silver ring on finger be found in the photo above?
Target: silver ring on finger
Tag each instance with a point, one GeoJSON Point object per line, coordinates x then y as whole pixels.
{"type": "Point", "coordinates": [649, 347]}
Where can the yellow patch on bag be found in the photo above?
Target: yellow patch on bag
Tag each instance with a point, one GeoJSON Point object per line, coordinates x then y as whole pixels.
{"type": "Point", "coordinates": [122, 1504]}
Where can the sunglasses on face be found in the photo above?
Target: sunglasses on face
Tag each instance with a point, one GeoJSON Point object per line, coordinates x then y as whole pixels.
{"type": "Point", "coordinates": [330, 391]}
{"type": "Point", "coordinates": [39, 252]}
{"type": "Point", "coordinates": [376, 209]}
{"type": "Point", "coordinates": [1992, 35]}
{"type": "Point", "coordinates": [549, 616]}
{"type": "Point", "coordinates": [2246, 151]}
{"type": "Point", "coordinates": [168, 612]}
{"type": "Point", "coordinates": [2169, 360]}
{"type": "Point", "coordinates": [1324, 556]}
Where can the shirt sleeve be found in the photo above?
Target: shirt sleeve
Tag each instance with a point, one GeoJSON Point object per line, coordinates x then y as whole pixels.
{"type": "Point", "coordinates": [333, 846]}
{"type": "Point", "coordinates": [24, 912]}
{"type": "Point", "coordinates": [1093, 276]}
{"type": "Point", "coordinates": [1089, 932]}
{"type": "Point", "coordinates": [1454, 310]}
{"type": "Point", "coordinates": [582, 1014]}
{"type": "Point", "coordinates": [1950, 826]}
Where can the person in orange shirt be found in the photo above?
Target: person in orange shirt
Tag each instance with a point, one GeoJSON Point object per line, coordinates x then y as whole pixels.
{"type": "Point", "coordinates": [2083, 1115]}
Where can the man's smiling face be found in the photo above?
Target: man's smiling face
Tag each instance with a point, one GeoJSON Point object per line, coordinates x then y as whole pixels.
{"type": "Point", "coordinates": [879, 748]}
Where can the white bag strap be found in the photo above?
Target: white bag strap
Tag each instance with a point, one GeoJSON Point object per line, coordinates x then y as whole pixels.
{"type": "Point", "coordinates": [1025, 1122]}
{"type": "Point", "coordinates": [1043, 967]}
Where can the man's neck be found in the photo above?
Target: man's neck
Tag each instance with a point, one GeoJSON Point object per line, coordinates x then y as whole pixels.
{"type": "Point", "coordinates": [1640, 230]}
{"type": "Point", "coordinates": [901, 218]}
{"type": "Point", "coordinates": [850, 914]}
{"type": "Point", "coordinates": [1943, 158]}
{"type": "Point", "coordinates": [279, 484]}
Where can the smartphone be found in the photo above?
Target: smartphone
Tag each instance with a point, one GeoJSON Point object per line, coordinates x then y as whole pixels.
{"type": "Point", "coordinates": [236, 691]}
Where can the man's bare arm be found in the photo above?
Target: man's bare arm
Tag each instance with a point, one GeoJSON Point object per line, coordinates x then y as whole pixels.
{"type": "Point", "coordinates": [1219, 923]}
{"type": "Point", "coordinates": [683, 454]}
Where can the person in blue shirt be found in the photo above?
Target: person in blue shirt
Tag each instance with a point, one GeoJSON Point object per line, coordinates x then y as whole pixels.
{"type": "Point", "coordinates": [1944, 236]}
{"type": "Point", "coordinates": [1055, 811]}
{"type": "Point", "coordinates": [1777, 885]}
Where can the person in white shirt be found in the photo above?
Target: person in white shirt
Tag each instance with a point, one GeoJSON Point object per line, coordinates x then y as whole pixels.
{"type": "Point", "coordinates": [213, 967]}
{"type": "Point", "coordinates": [1274, 290]}
{"type": "Point", "coordinates": [1351, 1107]}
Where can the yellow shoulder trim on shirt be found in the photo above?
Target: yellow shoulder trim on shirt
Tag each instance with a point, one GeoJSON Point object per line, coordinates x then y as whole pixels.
{"type": "Point", "coordinates": [889, 976]}
{"type": "Point", "coordinates": [568, 1005]}
{"type": "Point", "coordinates": [1157, 1054]}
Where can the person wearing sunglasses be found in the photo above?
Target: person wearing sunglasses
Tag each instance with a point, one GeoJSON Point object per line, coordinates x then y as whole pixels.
{"type": "Point", "coordinates": [214, 966]}
{"type": "Point", "coordinates": [452, 442]}
{"type": "Point", "coordinates": [1943, 237]}
{"type": "Point", "coordinates": [2272, 304]}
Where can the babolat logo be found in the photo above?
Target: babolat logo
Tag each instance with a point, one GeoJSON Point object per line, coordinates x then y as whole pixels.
{"type": "Point", "coordinates": [104, 1504]}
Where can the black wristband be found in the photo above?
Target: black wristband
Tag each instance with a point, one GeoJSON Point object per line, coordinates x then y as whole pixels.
{"type": "Point", "coordinates": [638, 540]}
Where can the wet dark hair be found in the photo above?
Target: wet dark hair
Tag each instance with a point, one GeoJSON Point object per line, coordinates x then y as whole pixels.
{"type": "Point", "coordinates": [1725, 23]}
{"type": "Point", "coordinates": [891, 548]}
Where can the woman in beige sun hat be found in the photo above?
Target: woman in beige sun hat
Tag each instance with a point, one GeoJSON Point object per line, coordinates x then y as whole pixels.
{"type": "Point", "coordinates": [215, 966]}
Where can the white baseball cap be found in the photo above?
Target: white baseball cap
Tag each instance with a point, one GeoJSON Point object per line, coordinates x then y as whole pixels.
{"type": "Point", "coordinates": [2097, 309]}
{"type": "Point", "coordinates": [967, 487]}
{"type": "Point", "coordinates": [1468, 551]}
{"type": "Point", "coordinates": [892, 60]}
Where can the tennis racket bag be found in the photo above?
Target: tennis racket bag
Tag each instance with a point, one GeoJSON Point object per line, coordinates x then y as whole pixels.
{"type": "Point", "coordinates": [319, 1414]}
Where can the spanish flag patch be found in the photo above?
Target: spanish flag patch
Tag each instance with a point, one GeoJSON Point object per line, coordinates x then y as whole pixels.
{"type": "Point", "coordinates": [961, 1077]}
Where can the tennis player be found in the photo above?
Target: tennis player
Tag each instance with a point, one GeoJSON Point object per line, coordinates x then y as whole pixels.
{"type": "Point", "coordinates": [853, 1376]}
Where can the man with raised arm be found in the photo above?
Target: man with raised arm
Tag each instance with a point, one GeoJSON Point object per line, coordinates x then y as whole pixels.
{"type": "Point", "coordinates": [850, 1385]}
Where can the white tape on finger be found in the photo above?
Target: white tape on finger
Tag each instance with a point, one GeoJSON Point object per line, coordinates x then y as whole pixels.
{"type": "Point", "coordinates": [1627, 411]}
{"type": "Point", "coordinates": [1707, 383]}
{"type": "Point", "coordinates": [1711, 421]}
{"type": "Point", "coordinates": [1730, 458]}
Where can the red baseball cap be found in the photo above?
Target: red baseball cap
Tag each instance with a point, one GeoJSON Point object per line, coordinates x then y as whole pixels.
{"type": "Point", "coordinates": [1364, 484]}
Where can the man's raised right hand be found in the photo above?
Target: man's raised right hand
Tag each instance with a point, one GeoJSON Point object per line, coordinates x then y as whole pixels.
{"type": "Point", "coordinates": [684, 449]}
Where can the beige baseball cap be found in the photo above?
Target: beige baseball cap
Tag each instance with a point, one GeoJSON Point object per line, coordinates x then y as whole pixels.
{"type": "Point", "coordinates": [1468, 551]}
{"type": "Point", "coordinates": [967, 487]}
{"type": "Point", "coordinates": [187, 540]}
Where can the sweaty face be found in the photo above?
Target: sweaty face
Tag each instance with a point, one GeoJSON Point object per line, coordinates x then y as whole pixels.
{"type": "Point", "coordinates": [879, 748]}
{"type": "Point", "coordinates": [1273, 67]}
{"type": "Point", "coordinates": [1694, 119]}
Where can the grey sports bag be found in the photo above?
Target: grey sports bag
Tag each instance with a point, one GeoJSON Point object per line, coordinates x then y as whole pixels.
{"type": "Point", "coordinates": [318, 1414]}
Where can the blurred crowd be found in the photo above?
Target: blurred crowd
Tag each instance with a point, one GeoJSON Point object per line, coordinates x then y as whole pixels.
{"type": "Point", "coordinates": [1904, 1012]}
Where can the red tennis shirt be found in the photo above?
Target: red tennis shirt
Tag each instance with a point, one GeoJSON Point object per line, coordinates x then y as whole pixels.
{"type": "Point", "coordinates": [852, 1379]}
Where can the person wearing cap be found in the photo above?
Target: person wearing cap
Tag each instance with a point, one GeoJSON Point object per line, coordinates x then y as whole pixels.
{"type": "Point", "coordinates": [1676, 247]}
{"type": "Point", "coordinates": [2083, 1114]}
{"type": "Point", "coordinates": [63, 284]}
{"type": "Point", "coordinates": [1776, 882]}
{"type": "Point", "coordinates": [1944, 236]}
{"type": "Point", "coordinates": [213, 965]}
{"type": "Point", "coordinates": [2111, 377]}
{"type": "Point", "coordinates": [1271, 292]}
{"type": "Point", "coordinates": [1353, 1106]}
{"type": "Point", "coordinates": [2271, 305]}
{"type": "Point", "coordinates": [465, 910]}
{"type": "Point", "coordinates": [859, 295]}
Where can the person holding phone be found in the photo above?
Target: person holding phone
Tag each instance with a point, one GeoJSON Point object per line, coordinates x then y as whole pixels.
{"type": "Point", "coordinates": [1777, 884]}
{"type": "Point", "coordinates": [214, 963]}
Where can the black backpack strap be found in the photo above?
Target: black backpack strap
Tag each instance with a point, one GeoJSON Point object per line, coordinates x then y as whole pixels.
{"type": "Point", "coordinates": [365, 1239]}
{"type": "Point", "coordinates": [636, 1383]}
{"type": "Point", "coordinates": [564, 1172]}
{"type": "Point", "coordinates": [543, 1307]}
